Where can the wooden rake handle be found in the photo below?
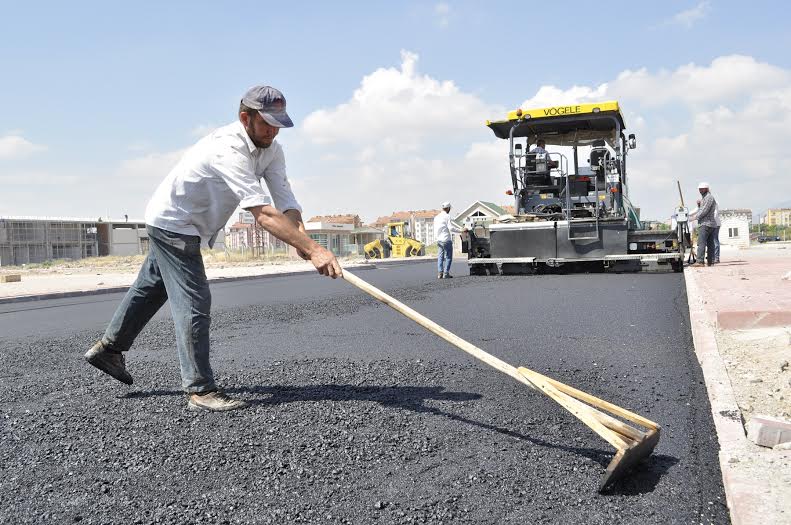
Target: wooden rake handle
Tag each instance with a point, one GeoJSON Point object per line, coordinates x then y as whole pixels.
{"type": "Point", "coordinates": [613, 431]}
{"type": "Point", "coordinates": [447, 335]}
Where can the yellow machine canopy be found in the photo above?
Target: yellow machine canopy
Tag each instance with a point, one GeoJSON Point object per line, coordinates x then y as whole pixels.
{"type": "Point", "coordinates": [564, 125]}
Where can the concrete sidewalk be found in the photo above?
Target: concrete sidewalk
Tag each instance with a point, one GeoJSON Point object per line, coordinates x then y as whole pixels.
{"type": "Point", "coordinates": [74, 283]}
{"type": "Point", "coordinates": [740, 312]}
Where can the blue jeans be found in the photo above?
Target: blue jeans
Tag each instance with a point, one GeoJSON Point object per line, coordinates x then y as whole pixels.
{"type": "Point", "coordinates": [444, 256]}
{"type": "Point", "coordinates": [172, 270]}
{"type": "Point", "coordinates": [706, 243]}
{"type": "Point", "coordinates": [716, 244]}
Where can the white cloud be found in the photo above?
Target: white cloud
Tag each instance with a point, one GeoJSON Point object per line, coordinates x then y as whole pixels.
{"type": "Point", "coordinates": [689, 17]}
{"type": "Point", "coordinates": [37, 178]}
{"type": "Point", "coordinates": [728, 123]}
{"type": "Point", "coordinates": [400, 108]}
{"type": "Point", "coordinates": [135, 179]}
{"type": "Point", "coordinates": [14, 145]}
{"type": "Point", "coordinates": [402, 141]}
{"type": "Point", "coordinates": [727, 78]}
{"type": "Point", "coordinates": [405, 140]}
{"type": "Point", "coordinates": [442, 12]}
{"type": "Point", "coordinates": [553, 96]}
{"type": "Point", "coordinates": [372, 189]}
{"type": "Point", "coordinates": [154, 166]}
{"type": "Point", "coordinates": [201, 130]}
{"type": "Point", "coordinates": [123, 190]}
{"type": "Point", "coordinates": [141, 145]}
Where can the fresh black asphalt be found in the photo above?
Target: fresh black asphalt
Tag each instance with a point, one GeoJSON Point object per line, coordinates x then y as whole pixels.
{"type": "Point", "coordinates": [358, 414]}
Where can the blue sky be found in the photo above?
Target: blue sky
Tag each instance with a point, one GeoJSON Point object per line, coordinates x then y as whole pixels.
{"type": "Point", "coordinates": [99, 98]}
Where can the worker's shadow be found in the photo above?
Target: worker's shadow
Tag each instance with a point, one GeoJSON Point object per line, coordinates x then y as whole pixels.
{"type": "Point", "coordinates": [643, 480]}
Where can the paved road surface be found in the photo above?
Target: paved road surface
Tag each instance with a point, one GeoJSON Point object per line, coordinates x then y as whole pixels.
{"type": "Point", "coordinates": [359, 415]}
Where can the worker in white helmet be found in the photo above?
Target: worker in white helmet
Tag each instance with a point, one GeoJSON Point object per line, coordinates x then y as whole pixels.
{"type": "Point", "coordinates": [443, 233]}
{"type": "Point", "coordinates": [707, 224]}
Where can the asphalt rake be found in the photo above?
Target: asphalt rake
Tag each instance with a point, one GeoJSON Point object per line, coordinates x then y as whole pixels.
{"type": "Point", "coordinates": [631, 444]}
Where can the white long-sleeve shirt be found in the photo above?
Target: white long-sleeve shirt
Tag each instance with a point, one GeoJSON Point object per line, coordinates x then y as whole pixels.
{"type": "Point", "coordinates": [222, 171]}
{"type": "Point", "coordinates": [443, 228]}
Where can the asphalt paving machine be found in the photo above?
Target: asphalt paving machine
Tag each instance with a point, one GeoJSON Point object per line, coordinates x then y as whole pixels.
{"type": "Point", "coordinates": [572, 207]}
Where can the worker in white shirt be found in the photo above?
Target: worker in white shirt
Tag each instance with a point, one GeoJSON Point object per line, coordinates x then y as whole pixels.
{"type": "Point", "coordinates": [693, 221]}
{"type": "Point", "coordinates": [443, 230]}
{"type": "Point", "coordinates": [716, 233]}
{"type": "Point", "coordinates": [192, 204]}
{"type": "Point", "coordinates": [707, 222]}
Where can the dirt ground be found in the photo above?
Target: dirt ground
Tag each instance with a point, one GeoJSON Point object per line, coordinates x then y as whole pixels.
{"type": "Point", "coordinates": [131, 264]}
{"type": "Point", "coordinates": [758, 365]}
{"type": "Point", "coordinates": [757, 361]}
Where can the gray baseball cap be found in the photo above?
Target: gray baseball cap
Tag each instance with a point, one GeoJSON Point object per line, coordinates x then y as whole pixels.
{"type": "Point", "coordinates": [271, 105]}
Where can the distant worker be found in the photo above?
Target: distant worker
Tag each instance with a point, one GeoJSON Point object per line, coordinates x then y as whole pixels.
{"type": "Point", "coordinates": [540, 147]}
{"type": "Point", "coordinates": [223, 171]}
{"type": "Point", "coordinates": [443, 230]}
{"type": "Point", "coordinates": [706, 225]}
{"type": "Point", "coordinates": [693, 224]}
{"type": "Point", "coordinates": [717, 233]}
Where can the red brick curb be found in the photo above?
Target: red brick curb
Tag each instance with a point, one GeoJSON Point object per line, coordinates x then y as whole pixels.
{"type": "Point", "coordinates": [747, 498]}
{"type": "Point", "coordinates": [746, 319]}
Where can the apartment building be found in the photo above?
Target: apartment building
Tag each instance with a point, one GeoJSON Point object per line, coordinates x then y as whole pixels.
{"type": "Point", "coordinates": [778, 217]}
{"type": "Point", "coordinates": [245, 235]}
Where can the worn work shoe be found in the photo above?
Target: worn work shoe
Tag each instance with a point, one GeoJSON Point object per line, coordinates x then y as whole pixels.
{"type": "Point", "coordinates": [216, 401]}
{"type": "Point", "coordinates": [440, 276]}
{"type": "Point", "coordinates": [447, 276]}
{"type": "Point", "coordinates": [109, 361]}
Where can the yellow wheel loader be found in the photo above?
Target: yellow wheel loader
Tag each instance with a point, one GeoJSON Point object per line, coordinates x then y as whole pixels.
{"type": "Point", "coordinates": [398, 243]}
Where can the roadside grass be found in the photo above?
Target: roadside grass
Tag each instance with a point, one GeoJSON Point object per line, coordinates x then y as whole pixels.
{"type": "Point", "coordinates": [214, 257]}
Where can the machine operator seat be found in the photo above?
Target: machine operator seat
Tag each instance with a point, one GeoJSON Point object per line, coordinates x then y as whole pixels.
{"type": "Point", "coordinates": [534, 177]}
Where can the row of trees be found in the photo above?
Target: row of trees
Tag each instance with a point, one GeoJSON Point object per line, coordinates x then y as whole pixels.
{"type": "Point", "coordinates": [784, 232]}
